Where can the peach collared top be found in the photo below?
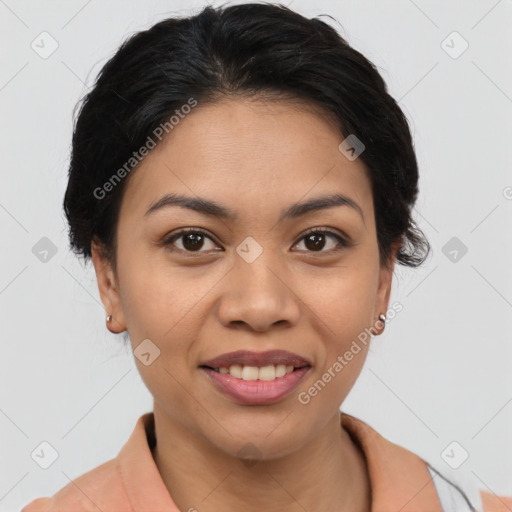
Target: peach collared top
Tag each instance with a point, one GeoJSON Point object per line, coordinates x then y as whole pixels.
{"type": "Point", "coordinates": [131, 482]}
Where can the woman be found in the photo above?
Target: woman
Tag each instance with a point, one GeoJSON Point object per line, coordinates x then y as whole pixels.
{"type": "Point", "coordinates": [243, 184]}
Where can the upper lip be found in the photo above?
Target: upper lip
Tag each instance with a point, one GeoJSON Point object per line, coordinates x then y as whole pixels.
{"type": "Point", "coordinates": [249, 358]}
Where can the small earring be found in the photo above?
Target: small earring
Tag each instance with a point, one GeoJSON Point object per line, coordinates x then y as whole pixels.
{"type": "Point", "coordinates": [382, 318]}
{"type": "Point", "coordinates": [109, 318]}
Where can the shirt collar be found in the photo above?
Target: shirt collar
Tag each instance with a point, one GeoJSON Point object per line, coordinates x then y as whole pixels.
{"type": "Point", "coordinates": [142, 480]}
{"type": "Point", "coordinates": [400, 480]}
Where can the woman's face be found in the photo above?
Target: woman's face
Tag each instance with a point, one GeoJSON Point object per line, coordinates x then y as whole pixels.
{"type": "Point", "coordinates": [255, 281]}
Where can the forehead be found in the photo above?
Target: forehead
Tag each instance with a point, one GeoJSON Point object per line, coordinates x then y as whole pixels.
{"type": "Point", "coordinates": [269, 153]}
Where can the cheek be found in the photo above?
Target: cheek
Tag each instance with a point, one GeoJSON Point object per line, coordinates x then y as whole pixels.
{"type": "Point", "coordinates": [154, 295]}
{"type": "Point", "coordinates": [144, 301]}
{"type": "Point", "coordinates": [164, 304]}
{"type": "Point", "coordinates": [345, 302]}
{"type": "Point", "coordinates": [345, 305]}
{"type": "Point", "coordinates": [157, 308]}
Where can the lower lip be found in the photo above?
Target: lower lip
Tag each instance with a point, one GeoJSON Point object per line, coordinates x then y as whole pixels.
{"type": "Point", "coordinates": [257, 391]}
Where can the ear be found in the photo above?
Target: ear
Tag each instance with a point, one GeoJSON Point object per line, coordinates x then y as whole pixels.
{"type": "Point", "coordinates": [108, 288]}
{"type": "Point", "coordinates": [384, 287]}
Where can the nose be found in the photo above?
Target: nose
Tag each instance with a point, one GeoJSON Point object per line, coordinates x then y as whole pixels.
{"type": "Point", "coordinates": [259, 296]}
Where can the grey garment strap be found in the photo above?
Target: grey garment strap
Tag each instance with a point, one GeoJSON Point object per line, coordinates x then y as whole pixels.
{"type": "Point", "coordinates": [452, 498]}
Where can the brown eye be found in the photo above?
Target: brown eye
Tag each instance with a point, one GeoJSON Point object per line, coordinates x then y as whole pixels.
{"type": "Point", "coordinates": [191, 240]}
{"type": "Point", "coordinates": [315, 241]}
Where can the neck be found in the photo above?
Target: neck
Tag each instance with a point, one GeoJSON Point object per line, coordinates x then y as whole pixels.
{"type": "Point", "coordinates": [329, 473]}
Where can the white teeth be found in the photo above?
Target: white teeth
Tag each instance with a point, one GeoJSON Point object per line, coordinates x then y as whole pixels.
{"type": "Point", "coordinates": [235, 371]}
{"type": "Point", "coordinates": [270, 372]}
{"type": "Point", "coordinates": [250, 373]}
{"type": "Point", "coordinates": [267, 373]}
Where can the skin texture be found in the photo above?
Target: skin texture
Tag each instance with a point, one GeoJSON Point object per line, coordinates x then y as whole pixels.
{"type": "Point", "coordinates": [255, 158]}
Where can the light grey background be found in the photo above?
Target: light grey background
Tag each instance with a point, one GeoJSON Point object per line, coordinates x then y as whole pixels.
{"type": "Point", "coordinates": [440, 372]}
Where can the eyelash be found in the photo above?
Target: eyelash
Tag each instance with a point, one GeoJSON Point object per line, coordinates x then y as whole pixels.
{"type": "Point", "coordinates": [167, 242]}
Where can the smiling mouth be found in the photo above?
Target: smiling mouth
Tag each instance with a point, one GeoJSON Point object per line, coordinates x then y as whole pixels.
{"type": "Point", "coordinates": [256, 385]}
{"type": "Point", "coordinates": [263, 373]}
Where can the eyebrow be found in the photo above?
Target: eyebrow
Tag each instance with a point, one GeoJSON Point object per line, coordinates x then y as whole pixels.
{"type": "Point", "coordinates": [213, 209]}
